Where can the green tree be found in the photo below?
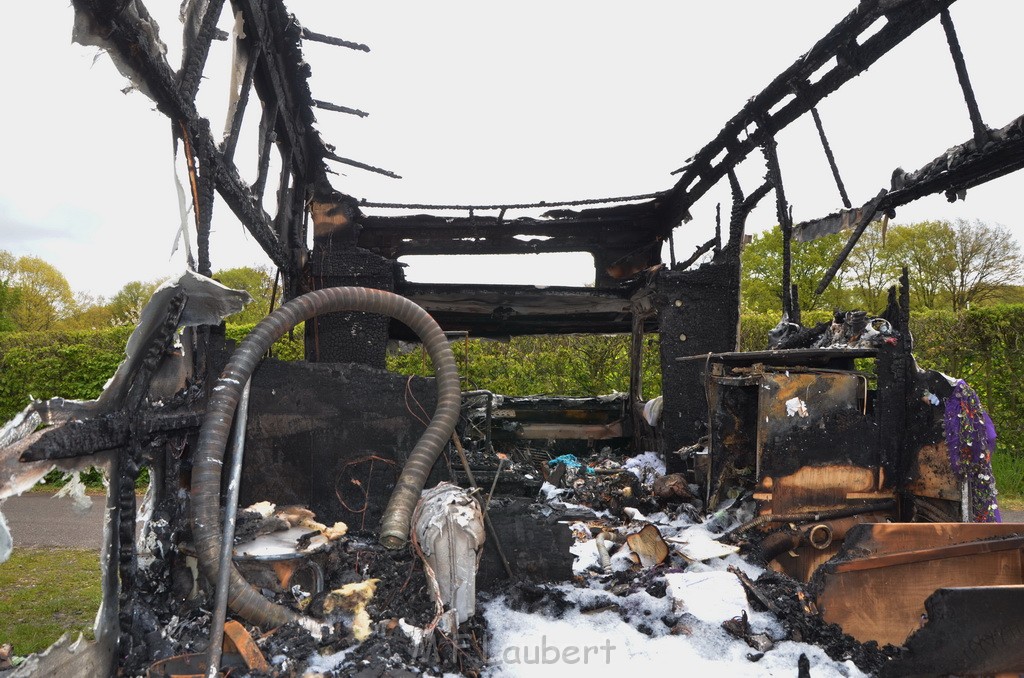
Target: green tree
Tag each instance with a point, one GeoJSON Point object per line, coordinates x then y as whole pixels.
{"type": "Point", "coordinates": [958, 264]}
{"type": "Point", "coordinates": [258, 282]}
{"type": "Point", "coordinates": [985, 258]}
{"type": "Point", "coordinates": [761, 288]}
{"type": "Point", "coordinates": [40, 294]}
{"type": "Point", "coordinates": [8, 300]}
{"type": "Point", "coordinates": [871, 269]}
{"type": "Point", "coordinates": [91, 313]}
{"type": "Point", "coordinates": [126, 306]}
{"type": "Point", "coordinates": [926, 249]}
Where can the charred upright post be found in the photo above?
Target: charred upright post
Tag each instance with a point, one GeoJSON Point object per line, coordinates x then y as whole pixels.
{"type": "Point", "coordinates": [337, 261]}
{"type": "Point", "coordinates": [785, 223]}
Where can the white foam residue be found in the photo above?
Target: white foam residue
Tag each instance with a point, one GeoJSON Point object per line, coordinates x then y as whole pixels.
{"type": "Point", "coordinates": [549, 492]}
{"type": "Point", "coordinates": [327, 663]}
{"type": "Point", "coordinates": [646, 466]}
{"type": "Point", "coordinates": [709, 596]}
{"type": "Point", "coordinates": [697, 544]}
{"type": "Point", "coordinates": [604, 644]}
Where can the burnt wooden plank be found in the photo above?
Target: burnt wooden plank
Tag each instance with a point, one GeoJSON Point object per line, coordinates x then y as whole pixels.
{"type": "Point", "coordinates": [974, 630]}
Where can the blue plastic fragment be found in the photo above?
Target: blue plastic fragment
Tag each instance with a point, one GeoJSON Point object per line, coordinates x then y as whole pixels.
{"type": "Point", "coordinates": [570, 461]}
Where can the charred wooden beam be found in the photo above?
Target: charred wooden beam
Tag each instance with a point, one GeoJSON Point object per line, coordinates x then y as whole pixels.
{"type": "Point", "coordinates": [130, 35]}
{"type": "Point", "coordinates": [238, 105]}
{"type": "Point", "coordinates": [275, 79]}
{"type": "Point", "coordinates": [866, 216]}
{"type": "Point", "coordinates": [741, 208]}
{"type": "Point", "coordinates": [831, 158]}
{"type": "Point", "coordinates": [328, 106]}
{"type": "Point", "coordinates": [200, 28]}
{"type": "Point", "coordinates": [331, 155]}
{"type": "Point", "coordinates": [736, 139]}
{"type": "Point", "coordinates": [328, 40]}
{"type": "Point", "coordinates": [514, 206]}
{"type": "Point", "coordinates": [980, 130]}
{"type": "Point", "coordinates": [509, 310]}
{"type": "Point", "coordinates": [89, 436]}
{"type": "Point", "coordinates": [698, 253]}
{"type": "Point", "coordinates": [953, 172]}
{"type": "Point", "coordinates": [962, 167]}
{"type": "Point", "coordinates": [615, 231]}
{"type": "Point", "coordinates": [785, 223]}
{"type": "Point", "coordinates": [206, 188]}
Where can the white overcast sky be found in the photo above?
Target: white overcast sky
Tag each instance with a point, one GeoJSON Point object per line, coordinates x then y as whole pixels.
{"type": "Point", "coordinates": [482, 103]}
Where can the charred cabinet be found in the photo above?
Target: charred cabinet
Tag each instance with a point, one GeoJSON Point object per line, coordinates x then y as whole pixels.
{"type": "Point", "coordinates": [799, 430]}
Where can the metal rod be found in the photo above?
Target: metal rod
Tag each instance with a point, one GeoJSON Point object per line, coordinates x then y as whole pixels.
{"type": "Point", "coordinates": [487, 517]}
{"type": "Point", "coordinates": [980, 131]}
{"type": "Point", "coordinates": [494, 483]}
{"type": "Point", "coordinates": [831, 158]}
{"type": "Point", "coordinates": [220, 604]}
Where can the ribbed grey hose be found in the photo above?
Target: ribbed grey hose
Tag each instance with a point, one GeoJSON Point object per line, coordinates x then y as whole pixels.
{"type": "Point", "coordinates": [245, 600]}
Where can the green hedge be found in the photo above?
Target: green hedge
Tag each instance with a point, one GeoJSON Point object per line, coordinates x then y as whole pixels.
{"type": "Point", "coordinates": [574, 365]}
{"type": "Point", "coordinates": [982, 346]}
{"type": "Point", "coordinates": [47, 364]}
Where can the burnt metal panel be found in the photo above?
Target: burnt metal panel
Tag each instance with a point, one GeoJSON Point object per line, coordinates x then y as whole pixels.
{"type": "Point", "coordinates": [733, 403]}
{"type": "Point", "coordinates": [813, 419]}
{"type": "Point", "coordinates": [698, 314]}
{"type": "Point", "coordinates": [331, 436]}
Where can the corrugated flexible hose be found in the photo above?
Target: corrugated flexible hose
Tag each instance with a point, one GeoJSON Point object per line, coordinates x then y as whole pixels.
{"type": "Point", "coordinates": [243, 599]}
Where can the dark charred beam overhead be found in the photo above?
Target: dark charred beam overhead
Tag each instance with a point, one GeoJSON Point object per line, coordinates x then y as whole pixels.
{"type": "Point", "coordinates": [328, 40]}
{"type": "Point", "coordinates": [238, 106]}
{"type": "Point", "coordinates": [328, 106]}
{"type": "Point", "coordinates": [128, 33]}
{"type": "Point", "coordinates": [276, 80]}
{"type": "Point", "coordinates": [331, 155]}
{"type": "Point", "coordinates": [626, 227]}
{"type": "Point", "coordinates": [831, 158]}
{"type": "Point", "coordinates": [508, 310]}
{"type": "Point", "coordinates": [953, 172]}
{"type": "Point", "coordinates": [980, 130]}
{"type": "Point", "coordinates": [754, 123]}
{"type": "Point", "coordinates": [200, 29]}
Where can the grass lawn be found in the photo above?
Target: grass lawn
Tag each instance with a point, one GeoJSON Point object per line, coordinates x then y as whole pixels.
{"type": "Point", "coordinates": [45, 592]}
{"type": "Point", "coordinates": [1009, 472]}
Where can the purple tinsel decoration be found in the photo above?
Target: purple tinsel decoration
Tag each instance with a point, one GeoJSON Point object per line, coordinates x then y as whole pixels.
{"type": "Point", "coordinates": [971, 439]}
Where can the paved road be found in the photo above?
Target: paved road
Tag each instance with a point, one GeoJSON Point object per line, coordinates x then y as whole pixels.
{"type": "Point", "coordinates": [40, 519]}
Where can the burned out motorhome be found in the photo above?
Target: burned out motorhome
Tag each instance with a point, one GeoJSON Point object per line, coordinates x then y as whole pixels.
{"type": "Point", "coordinates": [824, 502]}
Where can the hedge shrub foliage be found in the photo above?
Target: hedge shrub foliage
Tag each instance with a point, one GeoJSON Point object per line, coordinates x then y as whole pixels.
{"type": "Point", "coordinates": [983, 346]}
